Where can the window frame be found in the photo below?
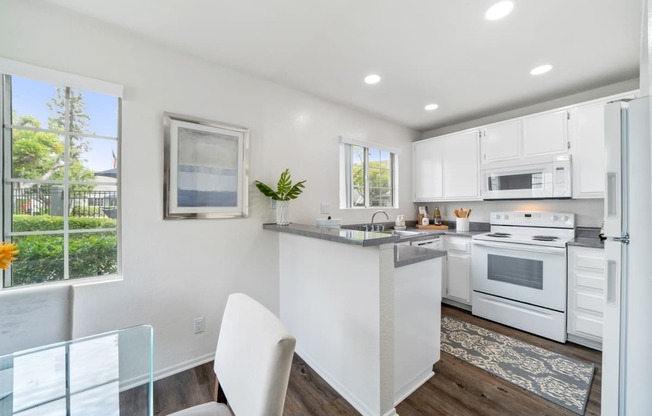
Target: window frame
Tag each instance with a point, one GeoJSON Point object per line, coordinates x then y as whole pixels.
{"type": "Point", "coordinates": [57, 78]}
{"type": "Point", "coordinates": [346, 173]}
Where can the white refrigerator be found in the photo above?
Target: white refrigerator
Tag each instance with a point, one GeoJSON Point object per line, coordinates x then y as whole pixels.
{"type": "Point", "coordinates": [627, 330]}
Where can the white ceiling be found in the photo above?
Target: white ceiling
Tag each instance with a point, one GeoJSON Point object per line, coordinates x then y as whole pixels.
{"type": "Point", "coordinates": [441, 51]}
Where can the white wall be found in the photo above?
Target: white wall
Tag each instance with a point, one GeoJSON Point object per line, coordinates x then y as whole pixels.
{"type": "Point", "coordinates": [177, 270]}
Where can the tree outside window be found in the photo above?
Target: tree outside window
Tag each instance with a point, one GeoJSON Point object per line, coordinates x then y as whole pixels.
{"type": "Point", "coordinates": [371, 180]}
{"type": "Point", "coordinates": [60, 181]}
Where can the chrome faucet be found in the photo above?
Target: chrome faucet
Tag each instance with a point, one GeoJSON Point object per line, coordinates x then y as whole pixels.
{"type": "Point", "coordinates": [379, 227]}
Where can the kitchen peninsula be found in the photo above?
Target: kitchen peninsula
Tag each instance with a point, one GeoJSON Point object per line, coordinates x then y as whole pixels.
{"type": "Point", "coordinates": [365, 311]}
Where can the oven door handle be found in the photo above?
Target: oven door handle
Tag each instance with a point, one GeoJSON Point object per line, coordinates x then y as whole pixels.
{"type": "Point", "coordinates": [522, 247]}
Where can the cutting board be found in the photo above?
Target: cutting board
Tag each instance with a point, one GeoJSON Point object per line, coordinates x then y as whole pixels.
{"type": "Point", "coordinates": [432, 227]}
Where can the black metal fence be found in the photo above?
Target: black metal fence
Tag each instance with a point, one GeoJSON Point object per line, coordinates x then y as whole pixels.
{"type": "Point", "coordinates": [98, 204]}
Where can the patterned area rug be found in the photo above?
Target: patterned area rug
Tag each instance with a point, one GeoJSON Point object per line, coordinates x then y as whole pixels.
{"type": "Point", "coordinates": [557, 378]}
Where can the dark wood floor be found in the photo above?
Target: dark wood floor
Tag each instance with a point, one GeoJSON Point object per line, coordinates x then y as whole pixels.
{"type": "Point", "coordinates": [458, 388]}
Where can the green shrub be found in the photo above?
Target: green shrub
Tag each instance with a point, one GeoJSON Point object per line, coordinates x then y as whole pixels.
{"type": "Point", "coordinates": [54, 223]}
{"type": "Point", "coordinates": [41, 257]}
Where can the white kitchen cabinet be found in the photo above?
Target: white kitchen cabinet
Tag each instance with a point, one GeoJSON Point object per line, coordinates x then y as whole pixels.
{"type": "Point", "coordinates": [461, 173]}
{"type": "Point", "coordinates": [501, 141]}
{"type": "Point", "coordinates": [586, 135]}
{"type": "Point", "coordinates": [539, 134]}
{"type": "Point", "coordinates": [545, 133]}
{"type": "Point", "coordinates": [446, 168]}
{"type": "Point", "coordinates": [586, 280]}
{"type": "Point", "coordinates": [587, 150]}
{"type": "Point", "coordinates": [427, 170]}
{"type": "Point", "coordinates": [458, 270]}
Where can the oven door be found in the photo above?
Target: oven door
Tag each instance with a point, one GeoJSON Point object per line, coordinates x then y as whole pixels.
{"type": "Point", "coordinates": [521, 272]}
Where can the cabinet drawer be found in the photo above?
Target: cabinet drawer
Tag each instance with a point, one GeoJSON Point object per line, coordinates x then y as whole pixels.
{"type": "Point", "coordinates": [460, 246]}
{"type": "Point", "coordinates": [591, 280]}
{"type": "Point", "coordinates": [589, 301]}
{"type": "Point", "coordinates": [583, 260]}
{"type": "Point", "coordinates": [588, 325]}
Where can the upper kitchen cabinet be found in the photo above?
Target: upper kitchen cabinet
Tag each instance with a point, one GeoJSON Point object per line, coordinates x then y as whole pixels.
{"type": "Point", "coordinates": [535, 135]}
{"type": "Point", "coordinates": [461, 174]}
{"type": "Point", "coordinates": [446, 168]}
{"type": "Point", "coordinates": [501, 141]}
{"type": "Point", "coordinates": [427, 170]}
{"type": "Point", "coordinates": [545, 134]}
{"type": "Point", "coordinates": [586, 135]}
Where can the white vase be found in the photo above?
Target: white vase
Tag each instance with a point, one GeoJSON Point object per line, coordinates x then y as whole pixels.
{"type": "Point", "coordinates": [282, 212]}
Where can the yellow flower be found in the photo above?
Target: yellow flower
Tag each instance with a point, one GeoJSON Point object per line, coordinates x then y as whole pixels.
{"type": "Point", "coordinates": [7, 252]}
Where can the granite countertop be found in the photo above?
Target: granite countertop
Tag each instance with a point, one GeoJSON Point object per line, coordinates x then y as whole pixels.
{"type": "Point", "coordinates": [587, 237]}
{"type": "Point", "coordinates": [338, 235]}
{"type": "Point", "coordinates": [403, 254]}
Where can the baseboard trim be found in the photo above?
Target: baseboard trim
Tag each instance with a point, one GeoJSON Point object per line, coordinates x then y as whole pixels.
{"type": "Point", "coordinates": [343, 391]}
{"type": "Point", "coordinates": [183, 366]}
{"type": "Point", "coordinates": [167, 372]}
{"type": "Point", "coordinates": [412, 386]}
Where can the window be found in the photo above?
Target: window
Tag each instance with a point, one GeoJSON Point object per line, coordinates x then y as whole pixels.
{"type": "Point", "coordinates": [369, 176]}
{"type": "Point", "coordinates": [60, 195]}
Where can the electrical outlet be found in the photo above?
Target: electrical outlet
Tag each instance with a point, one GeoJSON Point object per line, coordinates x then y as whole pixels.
{"type": "Point", "coordinates": [324, 208]}
{"type": "Point", "coordinates": [199, 324]}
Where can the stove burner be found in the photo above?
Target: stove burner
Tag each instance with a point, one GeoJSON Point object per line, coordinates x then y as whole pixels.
{"type": "Point", "coordinates": [545, 238]}
{"type": "Point", "coordinates": [499, 235]}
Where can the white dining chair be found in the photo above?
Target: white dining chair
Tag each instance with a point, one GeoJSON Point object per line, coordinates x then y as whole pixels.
{"type": "Point", "coordinates": [252, 362]}
{"type": "Point", "coordinates": [35, 316]}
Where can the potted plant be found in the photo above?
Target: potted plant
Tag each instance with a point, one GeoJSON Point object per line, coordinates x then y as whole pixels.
{"type": "Point", "coordinates": [284, 193]}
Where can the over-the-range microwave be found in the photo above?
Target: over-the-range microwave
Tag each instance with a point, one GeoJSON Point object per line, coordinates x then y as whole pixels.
{"type": "Point", "coordinates": [543, 177]}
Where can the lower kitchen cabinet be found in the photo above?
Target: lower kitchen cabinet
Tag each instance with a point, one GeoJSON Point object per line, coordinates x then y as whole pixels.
{"type": "Point", "coordinates": [586, 280]}
{"type": "Point", "coordinates": [458, 270]}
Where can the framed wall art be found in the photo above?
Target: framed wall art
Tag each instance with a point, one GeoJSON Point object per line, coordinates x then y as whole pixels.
{"type": "Point", "coordinates": [205, 167]}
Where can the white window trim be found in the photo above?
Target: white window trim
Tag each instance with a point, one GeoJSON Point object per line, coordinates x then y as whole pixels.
{"type": "Point", "coordinates": [20, 69]}
{"type": "Point", "coordinates": [52, 76]}
{"type": "Point", "coordinates": [343, 174]}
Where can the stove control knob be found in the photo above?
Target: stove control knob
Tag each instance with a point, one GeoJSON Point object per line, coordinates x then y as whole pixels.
{"type": "Point", "coordinates": [555, 218]}
{"type": "Point", "coordinates": [497, 216]}
{"type": "Point", "coordinates": [505, 217]}
{"type": "Point", "coordinates": [565, 218]}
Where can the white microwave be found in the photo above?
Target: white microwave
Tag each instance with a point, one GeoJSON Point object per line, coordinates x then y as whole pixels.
{"type": "Point", "coordinates": [536, 178]}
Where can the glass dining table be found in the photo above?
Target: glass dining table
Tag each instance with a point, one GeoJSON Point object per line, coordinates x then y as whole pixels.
{"type": "Point", "coordinates": [109, 374]}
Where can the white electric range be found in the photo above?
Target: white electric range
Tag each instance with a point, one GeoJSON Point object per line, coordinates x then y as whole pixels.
{"type": "Point", "coordinates": [519, 271]}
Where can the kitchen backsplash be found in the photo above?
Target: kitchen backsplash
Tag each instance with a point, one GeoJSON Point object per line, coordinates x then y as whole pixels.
{"type": "Point", "coordinates": [588, 212]}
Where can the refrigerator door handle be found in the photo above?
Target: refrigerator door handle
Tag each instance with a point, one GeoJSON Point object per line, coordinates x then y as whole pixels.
{"type": "Point", "coordinates": [611, 202]}
{"type": "Point", "coordinates": [611, 282]}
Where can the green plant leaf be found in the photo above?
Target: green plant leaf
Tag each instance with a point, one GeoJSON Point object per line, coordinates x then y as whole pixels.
{"type": "Point", "coordinates": [285, 191]}
{"type": "Point", "coordinates": [267, 191]}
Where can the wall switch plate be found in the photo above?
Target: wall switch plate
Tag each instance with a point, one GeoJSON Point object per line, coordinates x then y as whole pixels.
{"type": "Point", "coordinates": [324, 208]}
{"type": "Point", "coordinates": [199, 324]}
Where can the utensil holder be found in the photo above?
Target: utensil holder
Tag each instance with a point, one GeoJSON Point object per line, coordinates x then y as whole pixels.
{"type": "Point", "coordinates": [462, 224]}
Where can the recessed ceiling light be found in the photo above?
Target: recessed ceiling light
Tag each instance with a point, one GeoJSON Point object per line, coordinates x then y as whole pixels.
{"type": "Point", "coordinates": [541, 69]}
{"type": "Point", "coordinates": [431, 107]}
{"type": "Point", "coordinates": [499, 10]}
{"type": "Point", "coordinates": [372, 79]}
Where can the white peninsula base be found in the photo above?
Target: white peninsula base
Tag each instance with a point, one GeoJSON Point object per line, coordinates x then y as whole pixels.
{"type": "Point", "coordinates": [369, 329]}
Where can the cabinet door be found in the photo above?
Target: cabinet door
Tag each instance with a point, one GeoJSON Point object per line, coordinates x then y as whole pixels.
{"type": "Point", "coordinates": [501, 141]}
{"type": "Point", "coordinates": [545, 134]}
{"type": "Point", "coordinates": [586, 282]}
{"type": "Point", "coordinates": [587, 148]}
{"type": "Point", "coordinates": [427, 170]}
{"type": "Point", "coordinates": [461, 176]}
{"type": "Point", "coordinates": [459, 277]}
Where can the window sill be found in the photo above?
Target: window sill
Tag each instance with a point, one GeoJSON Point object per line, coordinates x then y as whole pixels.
{"type": "Point", "coordinates": [86, 281]}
